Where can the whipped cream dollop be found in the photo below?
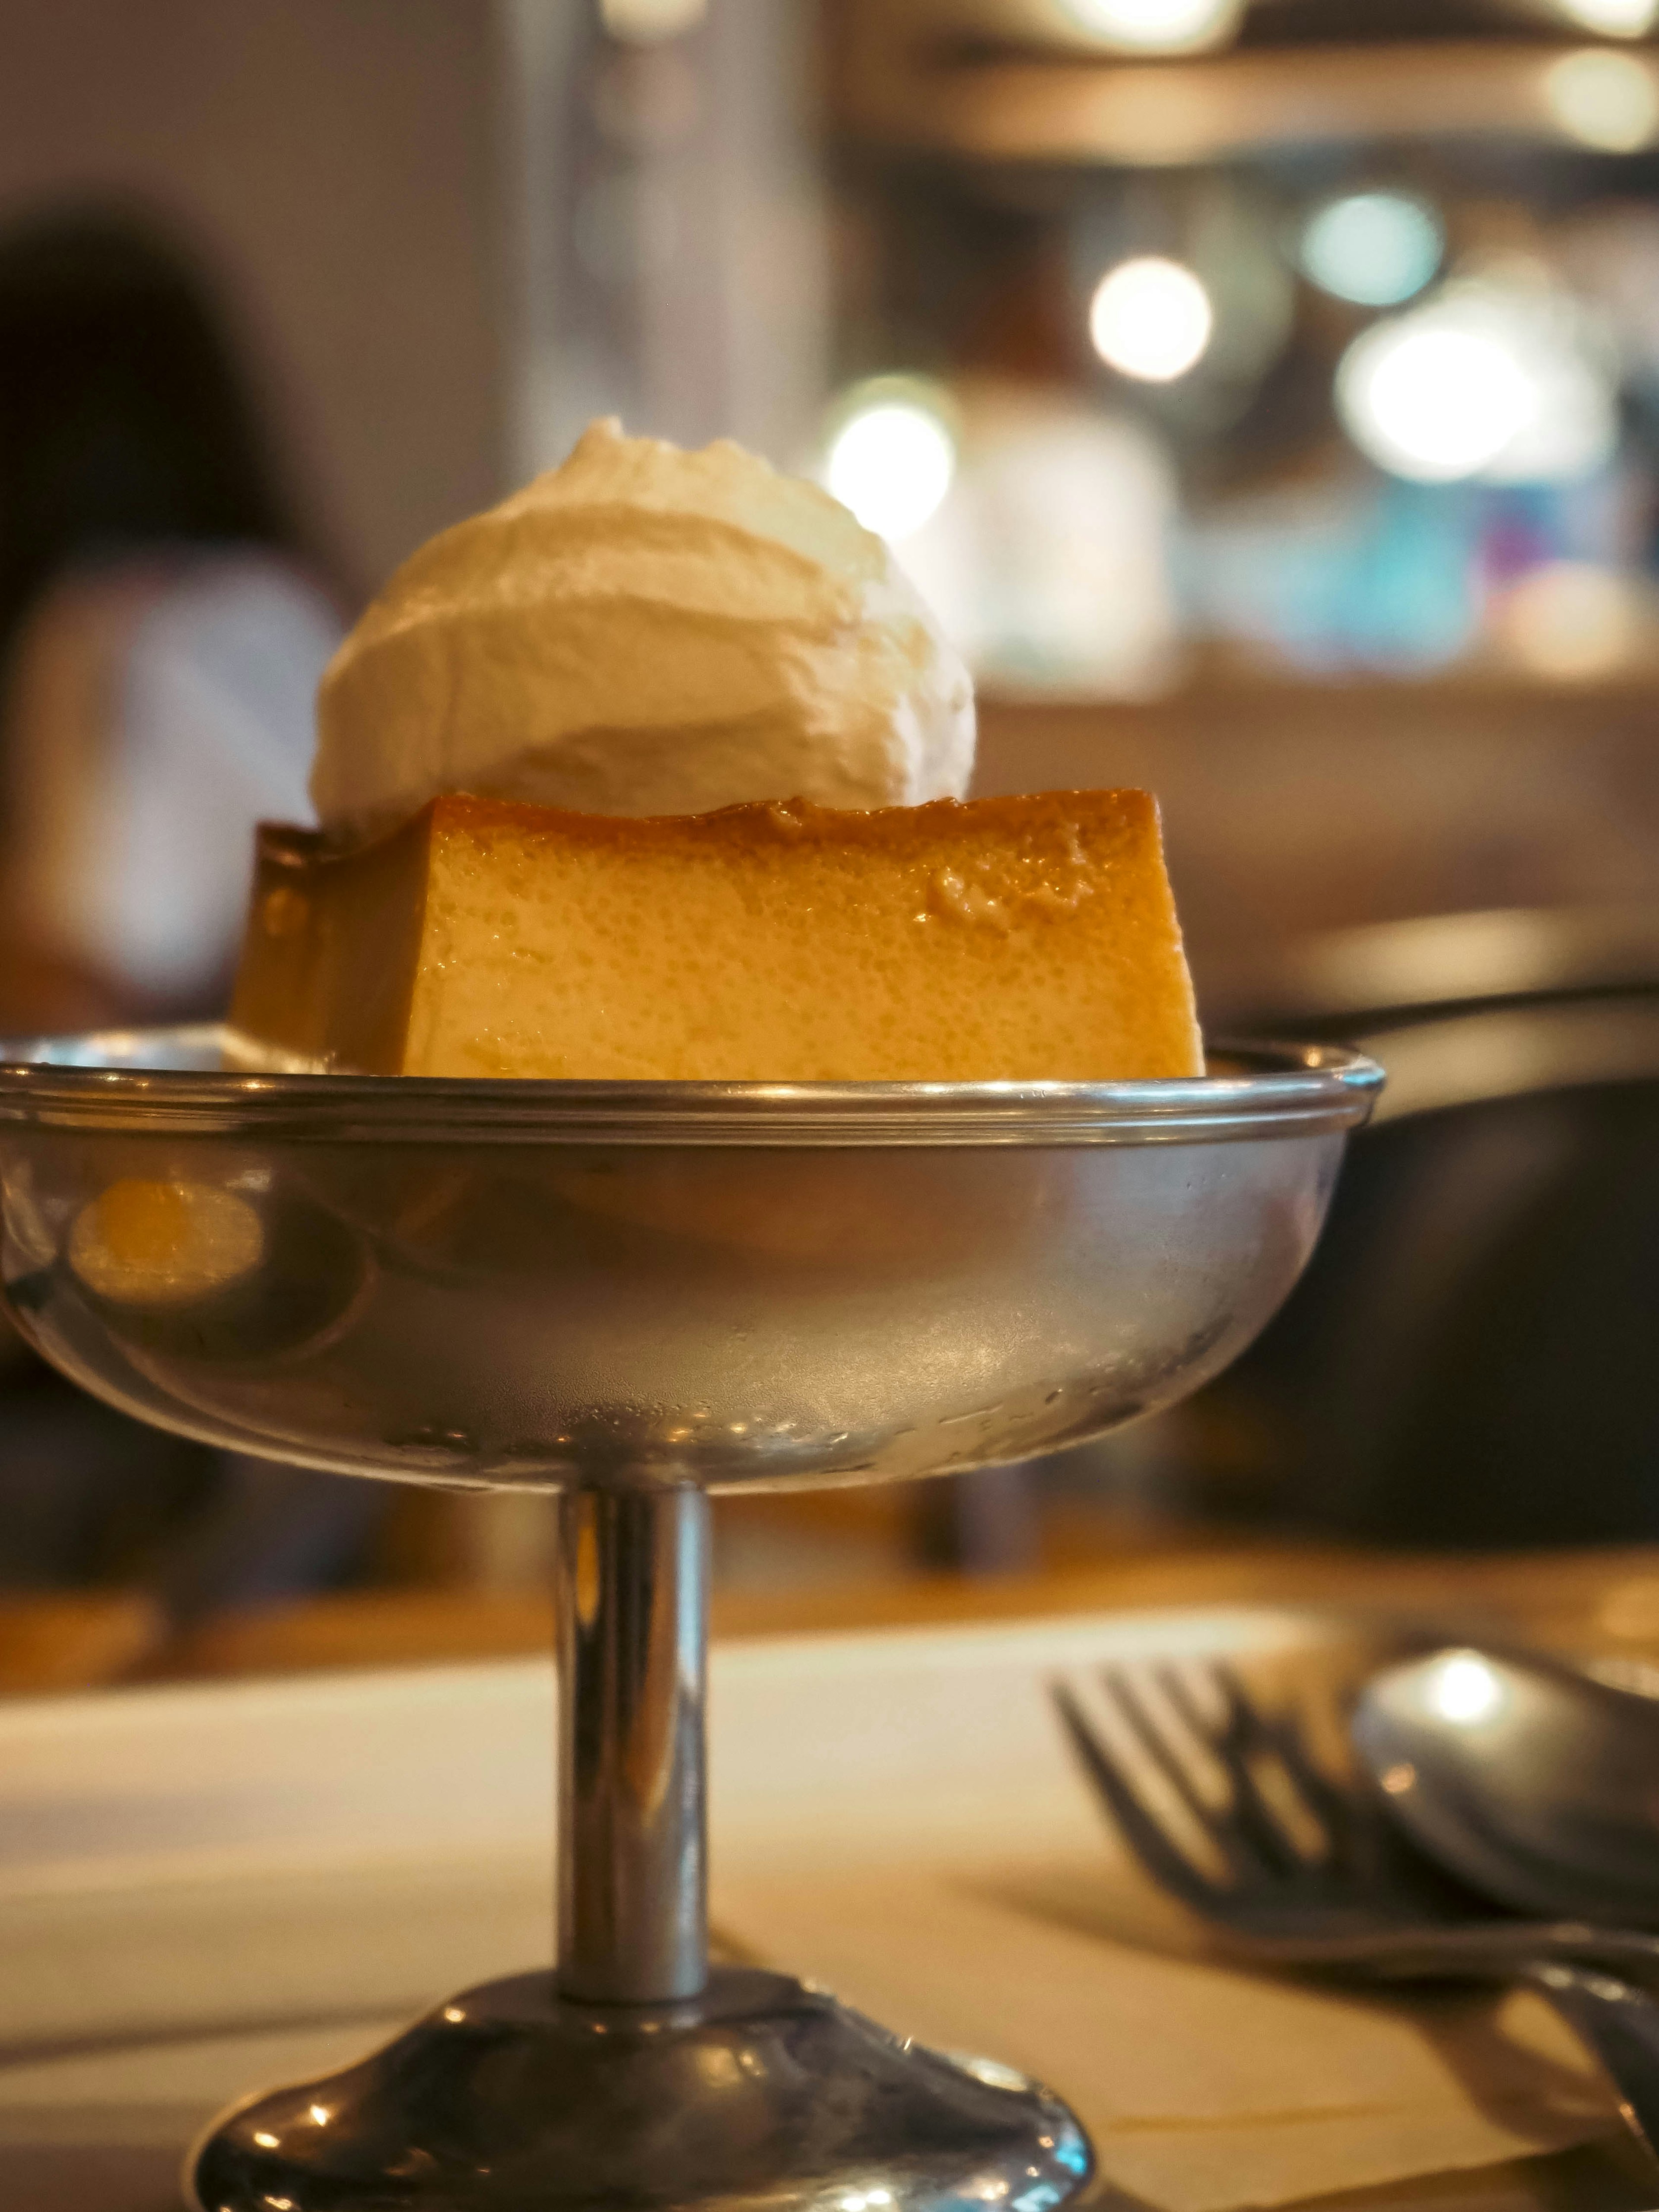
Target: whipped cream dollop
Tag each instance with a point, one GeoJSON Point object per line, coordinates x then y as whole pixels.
{"type": "Point", "coordinates": [644, 630]}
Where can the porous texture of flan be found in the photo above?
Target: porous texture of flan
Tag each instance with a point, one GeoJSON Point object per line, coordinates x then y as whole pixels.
{"type": "Point", "coordinates": [1029, 938]}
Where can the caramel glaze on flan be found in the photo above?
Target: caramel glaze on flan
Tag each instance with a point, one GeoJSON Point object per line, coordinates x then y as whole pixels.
{"type": "Point", "coordinates": [1029, 939]}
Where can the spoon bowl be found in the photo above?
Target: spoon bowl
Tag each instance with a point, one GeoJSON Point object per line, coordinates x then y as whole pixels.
{"type": "Point", "coordinates": [1532, 1781]}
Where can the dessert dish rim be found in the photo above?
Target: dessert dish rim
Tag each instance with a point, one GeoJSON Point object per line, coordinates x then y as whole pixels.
{"type": "Point", "coordinates": [100, 1081]}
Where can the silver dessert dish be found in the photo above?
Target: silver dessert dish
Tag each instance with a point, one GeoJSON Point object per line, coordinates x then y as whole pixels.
{"type": "Point", "coordinates": [636, 1294]}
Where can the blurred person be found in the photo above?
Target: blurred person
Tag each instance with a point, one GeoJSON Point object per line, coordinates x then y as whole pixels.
{"type": "Point", "coordinates": [1048, 561]}
{"type": "Point", "coordinates": [162, 630]}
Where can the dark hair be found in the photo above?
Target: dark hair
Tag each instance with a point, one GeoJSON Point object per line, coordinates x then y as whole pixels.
{"type": "Point", "coordinates": [123, 420]}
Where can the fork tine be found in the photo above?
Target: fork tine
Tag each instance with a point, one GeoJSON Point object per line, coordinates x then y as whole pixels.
{"type": "Point", "coordinates": [1141, 1829]}
{"type": "Point", "coordinates": [1121, 1688]}
{"type": "Point", "coordinates": [1242, 1711]}
{"type": "Point", "coordinates": [1258, 1847]}
{"type": "Point", "coordinates": [1328, 1803]}
{"type": "Point", "coordinates": [1243, 1731]}
{"type": "Point", "coordinates": [1248, 1850]}
{"type": "Point", "coordinates": [1176, 1688]}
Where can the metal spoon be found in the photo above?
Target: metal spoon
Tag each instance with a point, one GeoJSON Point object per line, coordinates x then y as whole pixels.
{"type": "Point", "coordinates": [1534, 1782]}
{"type": "Point", "coordinates": [1539, 1786]}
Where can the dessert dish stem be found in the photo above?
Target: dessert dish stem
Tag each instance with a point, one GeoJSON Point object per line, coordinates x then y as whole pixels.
{"type": "Point", "coordinates": [633, 2076]}
{"type": "Point", "coordinates": [633, 1614]}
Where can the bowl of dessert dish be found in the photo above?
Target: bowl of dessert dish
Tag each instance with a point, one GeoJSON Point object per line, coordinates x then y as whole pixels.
{"type": "Point", "coordinates": [651, 1075]}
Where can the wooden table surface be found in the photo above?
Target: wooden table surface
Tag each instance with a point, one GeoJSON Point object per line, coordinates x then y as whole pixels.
{"type": "Point", "coordinates": [1599, 1600]}
{"type": "Point", "coordinates": [1605, 1601]}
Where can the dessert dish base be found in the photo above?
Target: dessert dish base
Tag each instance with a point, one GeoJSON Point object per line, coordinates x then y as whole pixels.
{"type": "Point", "coordinates": [759, 2093]}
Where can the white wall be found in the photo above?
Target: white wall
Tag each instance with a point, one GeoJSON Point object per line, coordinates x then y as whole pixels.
{"type": "Point", "coordinates": [334, 161]}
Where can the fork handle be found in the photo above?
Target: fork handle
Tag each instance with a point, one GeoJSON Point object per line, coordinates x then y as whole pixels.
{"type": "Point", "coordinates": [1620, 2025]}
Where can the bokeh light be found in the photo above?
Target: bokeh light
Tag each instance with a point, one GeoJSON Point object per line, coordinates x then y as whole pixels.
{"type": "Point", "coordinates": [892, 458]}
{"type": "Point", "coordinates": [1572, 620]}
{"type": "Point", "coordinates": [1434, 405]}
{"type": "Point", "coordinates": [646, 22]}
{"type": "Point", "coordinates": [1610, 101]}
{"type": "Point", "coordinates": [1490, 380]}
{"type": "Point", "coordinates": [1374, 248]}
{"type": "Point", "coordinates": [1615, 19]}
{"type": "Point", "coordinates": [1161, 26]}
{"type": "Point", "coordinates": [1150, 318]}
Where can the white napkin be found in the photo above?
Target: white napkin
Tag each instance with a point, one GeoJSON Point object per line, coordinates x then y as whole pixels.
{"type": "Point", "coordinates": [1204, 2089]}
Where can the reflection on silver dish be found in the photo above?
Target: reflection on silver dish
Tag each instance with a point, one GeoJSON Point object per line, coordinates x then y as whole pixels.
{"type": "Point", "coordinates": [636, 1294]}
{"type": "Point", "coordinates": [509, 2096]}
{"type": "Point", "coordinates": [729, 1285]}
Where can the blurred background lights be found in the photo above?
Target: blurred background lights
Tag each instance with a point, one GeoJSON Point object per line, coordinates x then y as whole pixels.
{"type": "Point", "coordinates": [1491, 379]}
{"type": "Point", "coordinates": [646, 22]}
{"type": "Point", "coordinates": [1430, 403]}
{"type": "Point", "coordinates": [1610, 101]}
{"type": "Point", "coordinates": [1572, 620]}
{"type": "Point", "coordinates": [1615, 18]}
{"type": "Point", "coordinates": [1374, 248]}
{"type": "Point", "coordinates": [891, 458]}
{"type": "Point", "coordinates": [1164, 26]}
{"type": "Point", "coordinates": [1151, 319]}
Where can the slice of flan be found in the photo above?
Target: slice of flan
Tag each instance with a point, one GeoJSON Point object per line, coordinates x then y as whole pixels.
{"type": "Point", "coordinates": [1029, 938]}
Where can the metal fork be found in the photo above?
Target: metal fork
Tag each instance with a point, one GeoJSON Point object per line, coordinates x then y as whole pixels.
{"type": "Point", "coordinates": [1303, 1873]}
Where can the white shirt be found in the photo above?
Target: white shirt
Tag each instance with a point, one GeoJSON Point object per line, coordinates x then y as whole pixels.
{"type": "Point", "coordinates": [207, 702]}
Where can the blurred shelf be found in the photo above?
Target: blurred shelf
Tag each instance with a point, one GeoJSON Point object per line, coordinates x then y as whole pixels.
{"type": "Point", "coordinates": [1455, 961]}
{"type": "Point", "coordinates": [1217, 678]}
{"type": "Point", "coordinates": [1291, 810]}
{"type": "Point", "coordinates": [1170, 113]}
